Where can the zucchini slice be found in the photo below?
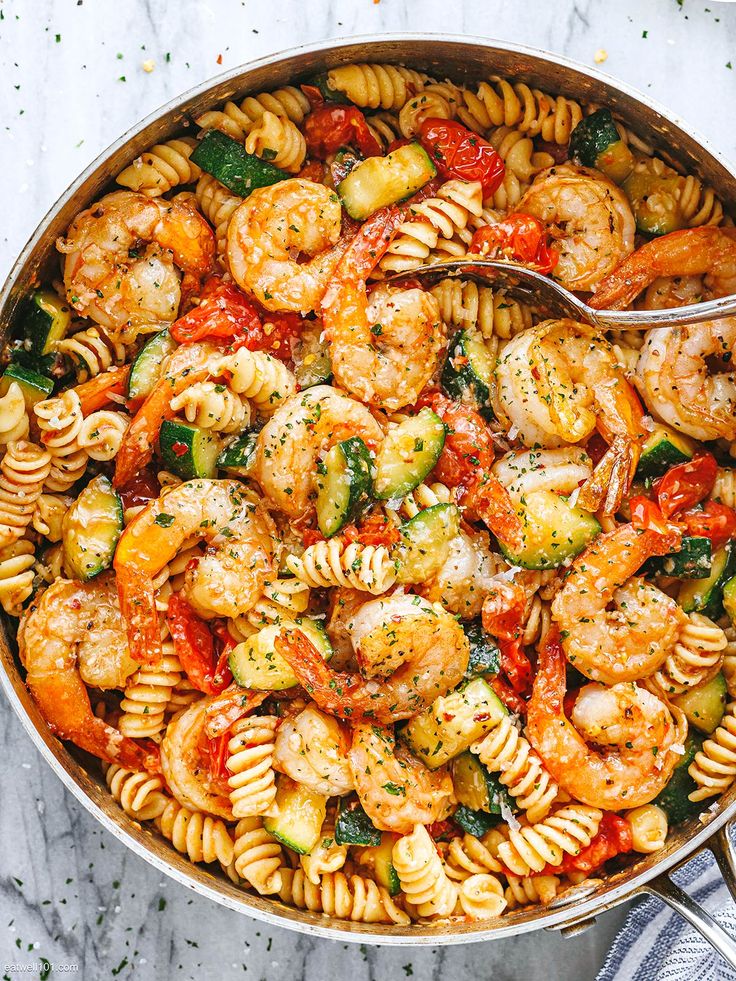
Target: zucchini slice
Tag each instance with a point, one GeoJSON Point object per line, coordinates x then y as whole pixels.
{"type": "Point", "coordinates": [453, 722]}
{"type": "Point", "coordinates": [311, 356]}
{"type": "Point", "coordinates": [229, 162]}
{"type": "Point", "coordinates": [239, 457]}
{"type": "Point", "coordinates": [655, 201]}
{"type": "Point", "coordinates": [329, 94]}
{"type": "Point", "coordinates": [468, 370]}
{"type": "Point", "coordinates": [343, 484]}
{"type": "Point", "coordinates": [353, 826]}
{"type": "Point", "coordinates": [485, 656]}
{"type": "Point", "coordinates": [407, 454]}
{"type": "Point", "coordinates": [380, 859]}
{"type": "Point", "coordinates": [554, 530]}
{"type": "Point", "coordinates": [91, 529]}
{"type": "Point", "coordinates": [188, 450]}
{"type": "Point", "coordinates": [595, 142]}
{"type": "Point", "coordinates": [35, 387]}
{"type": "Point", "coordinates": [146, 369]}
{"type": "Point", "coordinates": [674, 798]}
{"type": "Point", "coordinates": [425, 542]}
{"type": "Point", "coordinates": [693, 561]}
{"type": "Point", "coordinates": [706, 595]}
{"type": "Point", "coordinates": [380, 181]}
{"type": "Point", "coordinates": [662, 450]}
{"type": "Point", "coordinates": [474, 822]}
{"type": "Point", "coordinates": [299, 818]}
{"type": "Point", "coordinates": [45, 320]}
{"type": "Point", "coordinates": [476, 787]}
{"type": "Point", "coordinates": [257, 664]}
{"type": "Point", "coordinates": [704, 706]}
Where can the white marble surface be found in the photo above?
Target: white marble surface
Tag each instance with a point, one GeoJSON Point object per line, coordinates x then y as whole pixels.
{"type": "Point", "coordinates": [71, 80]}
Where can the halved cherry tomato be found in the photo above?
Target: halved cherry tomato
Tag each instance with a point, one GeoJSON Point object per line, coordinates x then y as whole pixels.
{"type": "Point", "coordinates": [224, 312]}
{"type": "Point", "coordinates": [329, 127]}
{"type": "Point", "coordinates": [686, 484]}
{"type": "Point", "coordinates": [313, 171]}
{"type": "Point", "coordinates": [519, 238]}
{"type": "Point", "coordinates": [375, 530]}
{"type": "Point", "coordinates": [195, 648]}
{"type": "Point", "coordinates": [468, 444]}
{"type": "Point", "coordinates": [715, 521]}
{"type": "Point", "coordinates": [646, 514]}
{"type": "Point", "coordinates": [459, 152]}
{"type": "Point", "coordinates": [144, 487]}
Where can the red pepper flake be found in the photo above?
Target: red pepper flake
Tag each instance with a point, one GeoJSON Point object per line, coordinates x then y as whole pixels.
{"type": "Point", "coordinates": [179, 449]}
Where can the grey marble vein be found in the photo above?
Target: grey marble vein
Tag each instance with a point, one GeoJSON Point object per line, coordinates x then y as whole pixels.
{"type": "Point", "coordinates": [71, 80]}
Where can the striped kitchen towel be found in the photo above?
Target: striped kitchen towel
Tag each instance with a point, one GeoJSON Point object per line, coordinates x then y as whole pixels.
{"type": "Point", "coordinates": [656, 944]}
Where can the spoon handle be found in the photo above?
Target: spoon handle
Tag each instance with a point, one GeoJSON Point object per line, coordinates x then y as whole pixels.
{"type": "Point", "coordinates": [724, 306]}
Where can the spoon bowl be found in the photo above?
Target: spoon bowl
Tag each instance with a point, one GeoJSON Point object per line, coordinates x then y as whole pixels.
{"type": "Point", "coordinates": [549, 298]}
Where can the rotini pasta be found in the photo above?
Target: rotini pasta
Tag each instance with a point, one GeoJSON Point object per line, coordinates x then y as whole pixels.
{"type": "Point", "coordinates": [48, 517]}
{"type": "Point", "coordinates": [649, 827]}
{"type": "Point", "coordinates": [212, 405]}
{"type": "Point", "coordinates": [333, 563]}
{"type": "Point", "coordinates": [325, 858]}
{"type": "Point", "coordinates": [465, 304]}
{"type": "Point", "coordinates": [59, 421]}
{"type": "Point", "coordinates": [200, 836]}
{"type": "Point", "coordinates": [147, 694]}
{"type": "Point", "coordinates": [469, 856]}
{"type": "Point", "coordinates": [258, 377]}
{"type": "Point", "coordinates": [162, 168]}
{"type": "Point", "coordinates": [258, 857]}
{"type": "Point", "coordinates": [101, 434]}
{"type": "Point", "coordinates": [13, 415]}
{"type": "Point", "coordinates": [481, 896]}
{"type": "Point", "coordinates": [277, 139]}
{"type": "Point", "coordinates": [566, 831]}
{"type": "Point", "coordinates": [237, 120]}
{"type": "Point", "coordinates": [533, 112]}
{"type": "Point", "coordinates": [695, 657]}
{"type": "Point", "coordinates": [92, 351]}
{"type": "Point", "coordinates": [426, 105]}
{"type": "Point", "coordinates": [24, 470]}
{"type": "Point", "coordinates": [352, 897]}
{"type": "Point", "coordinates": [714, 766]}
{"type": "Point", "coordinates": [531, 889]}
{"type": "Point", "coordinates": [250, 761]}
{"type": "Point", "coordinates": [17, 573]}
{"type": "Point", "coordinates": [141, 795]}
{"type": "Point", "coordinates": [423, 879]}
{"type": "Point", "coordinates": [282, 599]}
{"type": "Point", "coordinates": [217, 205]}
{"type": "Point", "coordinates": [376, 86]}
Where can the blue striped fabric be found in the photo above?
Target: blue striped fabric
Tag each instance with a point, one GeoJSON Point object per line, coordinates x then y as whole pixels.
{"type": "Point", "coordinates": [657, 945]}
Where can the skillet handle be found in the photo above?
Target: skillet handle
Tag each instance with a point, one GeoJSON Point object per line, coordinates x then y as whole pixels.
{"type": "Point", "coordinates": [665, 889]}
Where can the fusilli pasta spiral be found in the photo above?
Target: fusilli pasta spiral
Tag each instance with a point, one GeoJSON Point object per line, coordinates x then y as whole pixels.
{"type": "Point", "coordinates": [422, 876]}
{"type": "Point", "coordinates": [217, 205]}
{"type": "Point", "coordinates": [649, 827]}
{"type": "Point", "coordinates": [531, 889]}
{"type": "Point", "coordinates": [376, 86]}
{"type": "Point", "coordinates": [499, 103]}
{"type": "Point", "coordinates": [481, 896]}
{"type": "Point", "coordinates": [566, 831]}
{"type": "Point", "coordinates": [212, 405]}
{"type": "Point", "coordinates": [23, 471]}
{"type": "Point", "coordinates": [277, 139]}
{"type": "Point", "coordinates": [351, 897]}
{"type": "Point", "coordinates": [59, 421]}
{"type": "Point", "coordinates": [469, 856]}
{"type": "Point", "coordinates": [326, 856]}
{"type": "Point", "coordinates": [333, 563]}
{"type": "Point", "coordinates": [161, 168]}
{"type": "Point", "coordinates": [695, 657]}
{"type": "Point", "coordinates": [147, 694]}
{"type": "Point", "coordinates": [17, 562]}
{"type": "Point", "coordinates": [426, 105]}
{"type": "Point", "coordinates": [13, 415]}
{"type": "Point", "coordinates": [465, 304]}
{"type": "Point", "coordinates": [257, 376]}
{"type": "Point", "coordinates": [714, 767]}
{"type": "Point", "coordinates": [257, 856]}
{"type": "Point", "coordinates": [237, 120]}
{"type": "Point", "coordinates": [92, 351]}
{"type": "Point", "coordinates": [101, 434]}
{"type": "Point", "coordinates": [250, 761]}
{"type": "Point", "coordinates": [200, 836]}
{"type": "Point", "coordinates": [49, 515]}
{"type": "Point", "coordinates": [141, 795]}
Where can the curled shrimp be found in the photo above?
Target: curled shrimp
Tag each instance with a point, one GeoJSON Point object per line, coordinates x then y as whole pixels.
{"type": "Point", "coordinates": [226, 581]}
{"type": "Point", "coordinates": [395, 789]}
{"type": "Point", "coordinates": [632, 640]}
{"type": "Point", "coordinates": [384, 349]}
{"type": "Point", "coordinates": [185, 763]}
{"type": "Point", "coordinates": [589, 219]}
{"type": "Point", "coordinates": [72, 636]}
{"type": "Point", "coordinates": [677, 374]}
{"type": "Point", "coordinates": [123, 254]}
{"type": "Point", "coordinates": [428, 643]}
{"type": "Point", "coordinates": [556, 383]}
{"type": "Point", "coordinates": [709, 251]}
{"type": "Point", "coordinates": [269, 229]}
{"type": "Point", "coordinates": [637, 737]}
{"type": "Point", "coordinates": [312, 748]}
{"type": "Point", "coordinates": [301, 429]}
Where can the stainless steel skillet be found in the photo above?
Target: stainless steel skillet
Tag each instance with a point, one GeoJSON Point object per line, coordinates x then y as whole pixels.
{"type": "Point", "coordinates": [459, 58]}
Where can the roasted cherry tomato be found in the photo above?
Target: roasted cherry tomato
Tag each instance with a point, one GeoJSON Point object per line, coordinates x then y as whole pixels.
{"type": "Point", "coordinates": [224, 312]}
{"type": "Point", "coordinates": [519, 238]}
{"type": "Point", "coordinates": [195, 648]}
{"type": "Point", "coordinates": [141, 489]}
{"type": "Point", "coordinates": [512, 701]}
{"type": "Point", "coordinates": [645, 514]}
{"type": "Point", "coordinates": [715, 521]}
{"type": "Point", "coordinates": [329, 127]}
{"type": "Point", "coordinates": [468, 445]}
{"type": "Point", "coordinates": [686, 484]}
{"type": "Point", "coordinates": [459, 152]}
{"type": "Point", "coordinates": [375, 530]}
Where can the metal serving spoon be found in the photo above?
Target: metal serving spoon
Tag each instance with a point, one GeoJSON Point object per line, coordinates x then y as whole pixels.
{"type": "Point", "coordinates": [546, 295]}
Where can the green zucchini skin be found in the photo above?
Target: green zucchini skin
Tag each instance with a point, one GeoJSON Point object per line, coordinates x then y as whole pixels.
{"type": "Point", "coordinates": [147, 366]}
{"type": "Point", "coordinates": [35, 387]}
{"type": "Point", "coordinates": [554, 530]}
{"type": "Point", "coordinates": [300, 814]}
{"type": "Point", "coordinates": [467, 373]}
{"type": "Point", "coordinates": [674, 798]}
{"type": "Point", "coordinates": [381, 181]}
{"type": "Point", "coordinates": [477, 788]}
{"type": "Point", "coordinates": [188, 450]}
{"type": "Point", "coordinates": [705, 705]}
{"type": "Point", "coordinates": [408, 454]}
{"type": "Point", "coordinates": [239, 457]}
{"type": "Point", "coordinates": [693, 561]}
{"type": "Point", "coordinates": [329, 94]}
{"type": "Point", "coordinates": [343, 484]}
{"type": "Point", "coordinates": [485, 656]}
{"type": "Point", "coordinates": [92, 527]}
{"type": "Point", "coordinates": [706, 595]}
{"type": "Point", "coordinates": [353, 826]}
{"type": "Point", "coordinates": [474, 822]}
{"type": "Point", "coordinates": [44, 320]}
{"type": "Point", "coordinates": [425, 542]}
{"type": "Point", "coordinates": [662, 450]}
{"type": "Point", "coordinates": [229, 162]}
{"type": "Point", "coordinates": [595, 142]}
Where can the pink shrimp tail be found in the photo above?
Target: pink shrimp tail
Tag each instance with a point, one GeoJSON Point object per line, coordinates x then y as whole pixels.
{"type": "Point", "coordinates": [138, 605]}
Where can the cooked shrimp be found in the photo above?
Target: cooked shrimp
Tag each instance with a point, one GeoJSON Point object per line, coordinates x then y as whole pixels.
{"type": "Point", "coordinates": [590, 221]}
{"type": "Point", "coordinates": [558, 381]}
{"type": "Point", "coordinates": [395, 789]}
{"type": "Point", "coordinates": [292, 440]}
{"type": "Point", "coordinates": [267, 232]}
{"type": "Point", "coordinates": [461, 583]}
{"type": "Point", "coordinates": [72, 636]}
{"type": "Point", "coordinates": [384, 349]}
{"type": "Point", "coordinates": [638, 736]}
{"type": "Point", "coordinates": [312, 748]}
{"type": "Point", "coordinates": [227, 581]}
{"type": "Point", "coordinates": [561, 470]}
{"type": "Point", "coordinates": [677, 374]}
{"type": "Point", "coordinates": [185, 763]}
{"type": "Point", "coordinates": [109, 276]}
{"type": "Point", "coordinates": [431, 647]}
{"type": "Point", "coordinates": [632, 640]}
{"type": "Point", "coordinates": [709, 251]}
